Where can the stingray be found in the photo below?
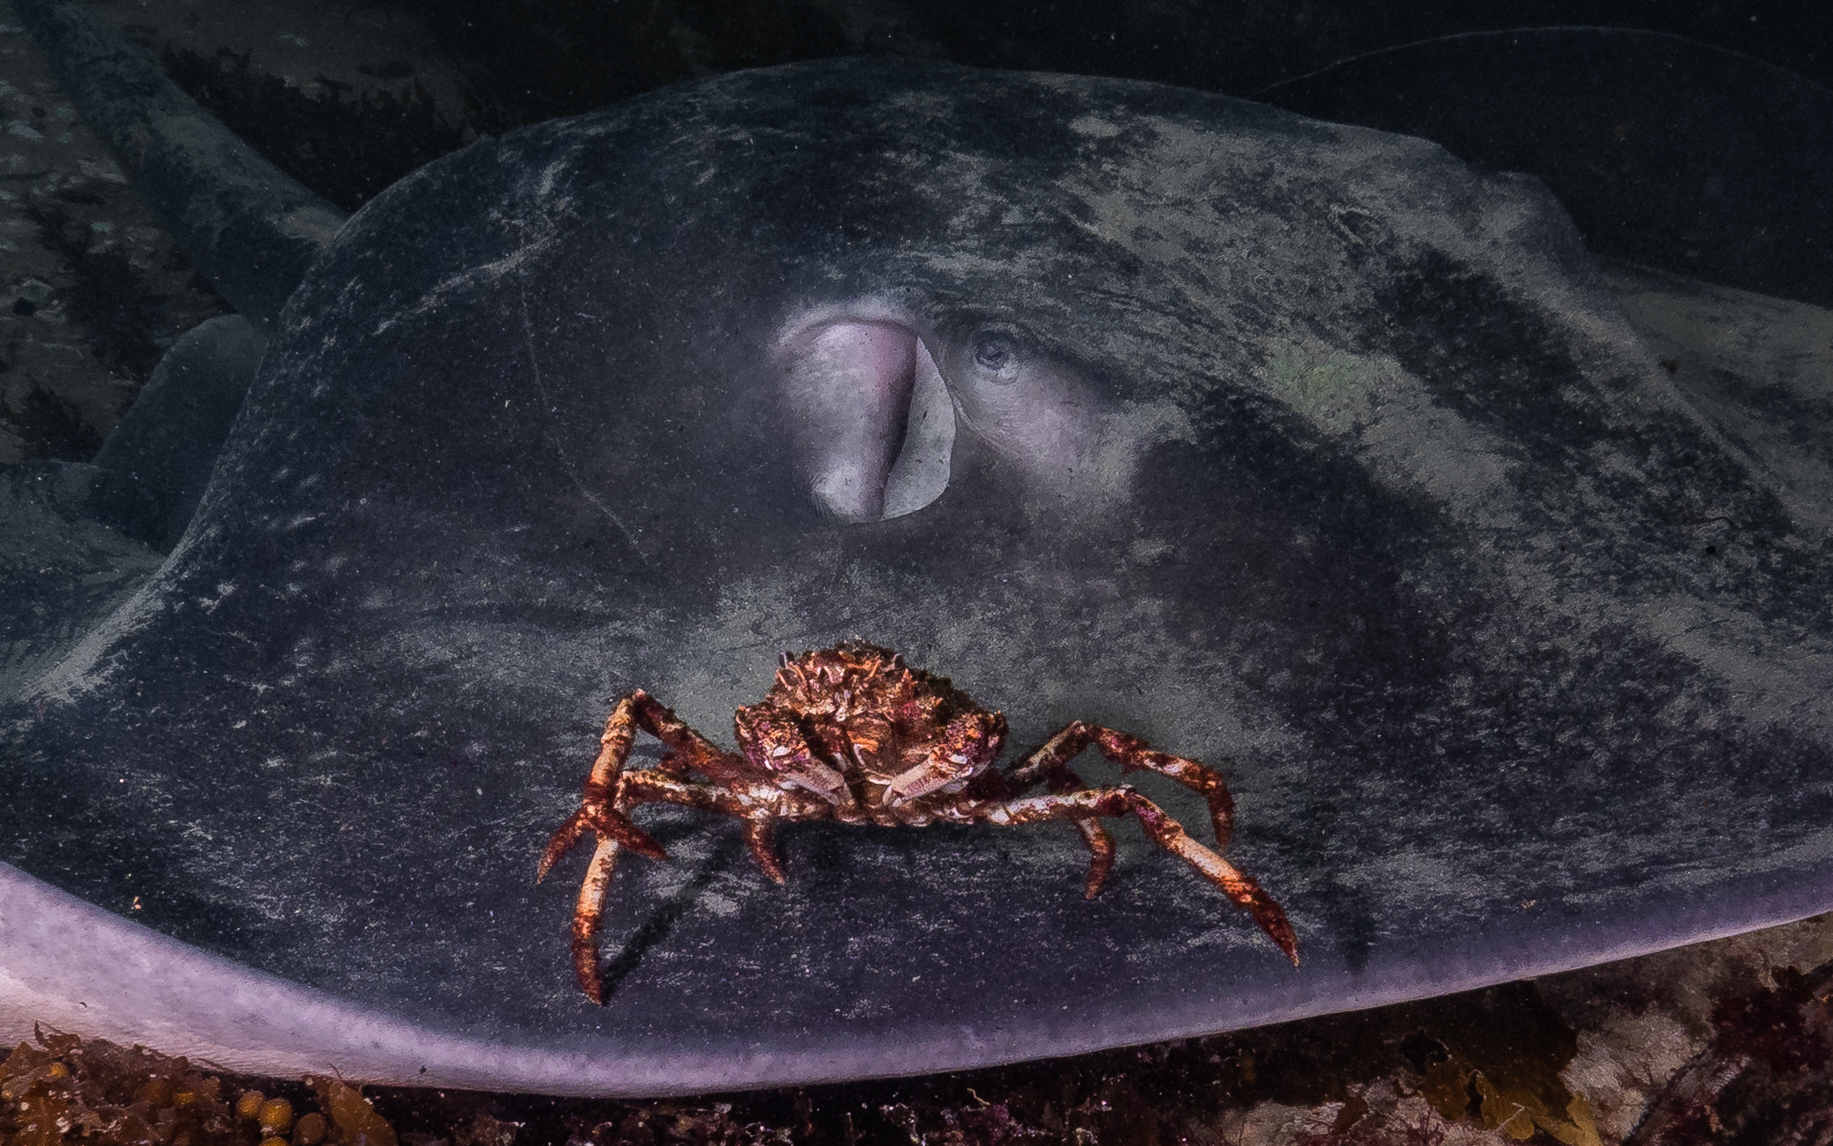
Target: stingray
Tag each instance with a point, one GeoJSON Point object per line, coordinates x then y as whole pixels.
{"type": "Point", "coordinates": [1303, 449]}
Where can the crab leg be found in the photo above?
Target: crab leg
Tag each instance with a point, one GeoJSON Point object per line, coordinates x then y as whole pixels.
{"type": "Point", "coordinates": [758, 804]}
{"type": "Point", "coordinates": [688, 752]}
{"type": "Point", "coordinates": [1100, 842]}
{"type": "Point", "coordinates": [596, 809]}
{"type": "Point", "coordinates": [760, 838]}
{"type": "Point", "coordinates": [1167, 833]}
{"type": "Point", "coordinates": [605, 807]}
{"type": "Point", "coordinates": [1100, 856]}
{"type": "Point", "coordinates": [588, 913]}
{"type": "Point", "coordinates": [1130, 752]}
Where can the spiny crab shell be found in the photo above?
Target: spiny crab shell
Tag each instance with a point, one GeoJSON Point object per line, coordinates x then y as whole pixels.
{"type": "Point", "coordinates": [898, 733]}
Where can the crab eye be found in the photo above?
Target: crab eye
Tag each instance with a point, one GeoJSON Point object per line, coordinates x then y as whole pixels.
{"type": "Point", "coordinates": [996, 355]}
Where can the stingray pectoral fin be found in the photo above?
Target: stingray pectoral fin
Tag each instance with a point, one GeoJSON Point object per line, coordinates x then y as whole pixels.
{"type": "Point", "coordinates": [870, 419]}
{"type": "Point", "coordinates": [69, 965]}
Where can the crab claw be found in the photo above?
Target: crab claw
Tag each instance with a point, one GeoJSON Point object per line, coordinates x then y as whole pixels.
{"type": "Point", "coordinates": [968, 745]}
{"type": "Point", "coordinates": [772, 740]}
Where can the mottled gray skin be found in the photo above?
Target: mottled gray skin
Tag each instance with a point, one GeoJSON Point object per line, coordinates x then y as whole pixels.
{"type": "Point", "coordinates": [1511, 660]}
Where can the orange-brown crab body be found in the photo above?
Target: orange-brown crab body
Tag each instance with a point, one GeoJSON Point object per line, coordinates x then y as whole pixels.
{"type": "Point", "coordinates": [854, 734]}
{"type": "Point", "coordinates": [904, 742]}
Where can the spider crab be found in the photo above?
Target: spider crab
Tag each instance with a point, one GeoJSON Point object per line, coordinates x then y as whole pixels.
{"type": "Point", "coordinates": [854, 734]}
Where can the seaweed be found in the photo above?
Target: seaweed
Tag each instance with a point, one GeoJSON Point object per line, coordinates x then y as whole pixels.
{"type": "Point", "coordinates": [68, 1089]}
{"type": "Point", "coordinates": [1484, 1066]}
{"type": "Point", "coordinates": [1762, 1079]}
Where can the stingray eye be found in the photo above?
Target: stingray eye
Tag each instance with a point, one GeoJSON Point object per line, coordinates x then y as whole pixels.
{"type": "Point", "coordinates": [996, 356]}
